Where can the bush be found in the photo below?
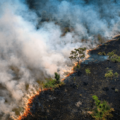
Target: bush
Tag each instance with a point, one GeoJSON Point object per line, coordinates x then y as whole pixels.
{"type": "Point", "coordinates": [57, 77]}
{"type": "Point", "coordinates": [109, 74]}
{"type": "Point", "coordinates": [87, 71]}
{"type": "Point", "coordinates": [110, 54]}
{"type": "Point", "coordinates": [113, 57]}
{"type": "Point", "coordinates": [116, 74]}
{"type": "Point", "coordinates": [101, 53]}
{"type": "Point", "coordinates": [102, 110]}
{"type": "Point", "coordinates": [50, 84]}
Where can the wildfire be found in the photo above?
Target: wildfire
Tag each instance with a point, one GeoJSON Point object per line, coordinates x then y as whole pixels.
{"type": "Point", "coordinates": [30, 98]}
{"type": "Point", "coordinates": [27, 102]}
{"type": "Point", "coordinates": [71, 71]}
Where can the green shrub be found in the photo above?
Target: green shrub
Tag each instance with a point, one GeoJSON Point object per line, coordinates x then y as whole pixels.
{"type": "Point", "coordinates": [101, 110]}
{"type": "Point", "coordinates": [113, 57]}
{"type": "Point", "coordinates": [109, 74]}
{"type": "Point", "coordinates": [50, 84]}
{"type": "Point", "coordinates": [110, 54]}
{"type": "Point", "coordinates": [118, 60]}
{"type": "Point", "coordinates": [101, 53]}
{"type": "Point", "coordinates": [116, 74]}
{"type": "Point", "coordinates": [57, 77]}
{"type": "Point", "coordinates": [87, 71]}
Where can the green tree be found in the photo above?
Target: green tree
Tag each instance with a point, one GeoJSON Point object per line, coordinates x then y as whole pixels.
{"type": "Point", "coordinates": [57, 77]}
{"type": "Point", "coordinates": [78, 54]}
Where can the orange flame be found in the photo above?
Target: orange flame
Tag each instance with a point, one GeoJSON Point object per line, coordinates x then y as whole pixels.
{"type": "Point", "coordinates": [76, 63]}
{"type": "Point", "coordinates": [28, 103]}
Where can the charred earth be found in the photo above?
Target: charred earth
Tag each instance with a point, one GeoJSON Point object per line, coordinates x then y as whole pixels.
{"type": "Point", "coordinates": [72, 100]}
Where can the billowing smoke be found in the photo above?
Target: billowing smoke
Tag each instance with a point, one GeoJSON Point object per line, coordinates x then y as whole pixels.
{"type": "Point", "coordinates": [36, 37]}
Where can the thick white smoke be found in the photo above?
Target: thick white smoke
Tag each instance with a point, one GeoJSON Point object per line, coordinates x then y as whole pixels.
{"type": "Point", "coordinates": [28, 54]}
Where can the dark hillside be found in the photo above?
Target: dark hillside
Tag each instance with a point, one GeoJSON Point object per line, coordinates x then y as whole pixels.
{"type": "Point", "coordinates": [71, 101]}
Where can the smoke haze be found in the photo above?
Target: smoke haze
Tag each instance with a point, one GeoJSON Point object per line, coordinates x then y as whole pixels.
{"type": "Point", "coordinates": [36, 37]}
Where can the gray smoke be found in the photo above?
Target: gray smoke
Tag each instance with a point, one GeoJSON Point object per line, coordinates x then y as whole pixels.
{"type": "Point", "coordinates": [36, 38]}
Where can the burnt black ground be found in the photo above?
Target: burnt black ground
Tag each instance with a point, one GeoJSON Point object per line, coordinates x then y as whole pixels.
{"type": "Point", "coordinates": [60, 104]}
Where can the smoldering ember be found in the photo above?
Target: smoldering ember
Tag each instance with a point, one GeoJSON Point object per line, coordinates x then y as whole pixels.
{"type": "Point", "coordinates": [59, 60]}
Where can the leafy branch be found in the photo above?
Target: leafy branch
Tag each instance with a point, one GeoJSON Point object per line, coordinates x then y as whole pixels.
{"type": "Point", "coordinates": [77, 54]}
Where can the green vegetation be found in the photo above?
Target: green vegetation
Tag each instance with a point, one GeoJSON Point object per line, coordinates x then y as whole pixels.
{"type": "Point", "coordinates": [116, 74]}
{"type": "Point", "coordinates": [78, 54]}
{"type": "Point", "coordinates": [101, 110]}
{"type": "Point", "coordinates": [110, 74]}
{"type": "Point", "coordinates": [110, 54]}
{"type": "Point", "coordinates": [52, 83]}
{"type": "Point", "coordinates": [101, 53]}
{"type": "Point", "coordinates": [57, 77]}
{"type": "Point", "coordinates": [113, 57]}
{"type": "Point", "coordinates": [87, 70]}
